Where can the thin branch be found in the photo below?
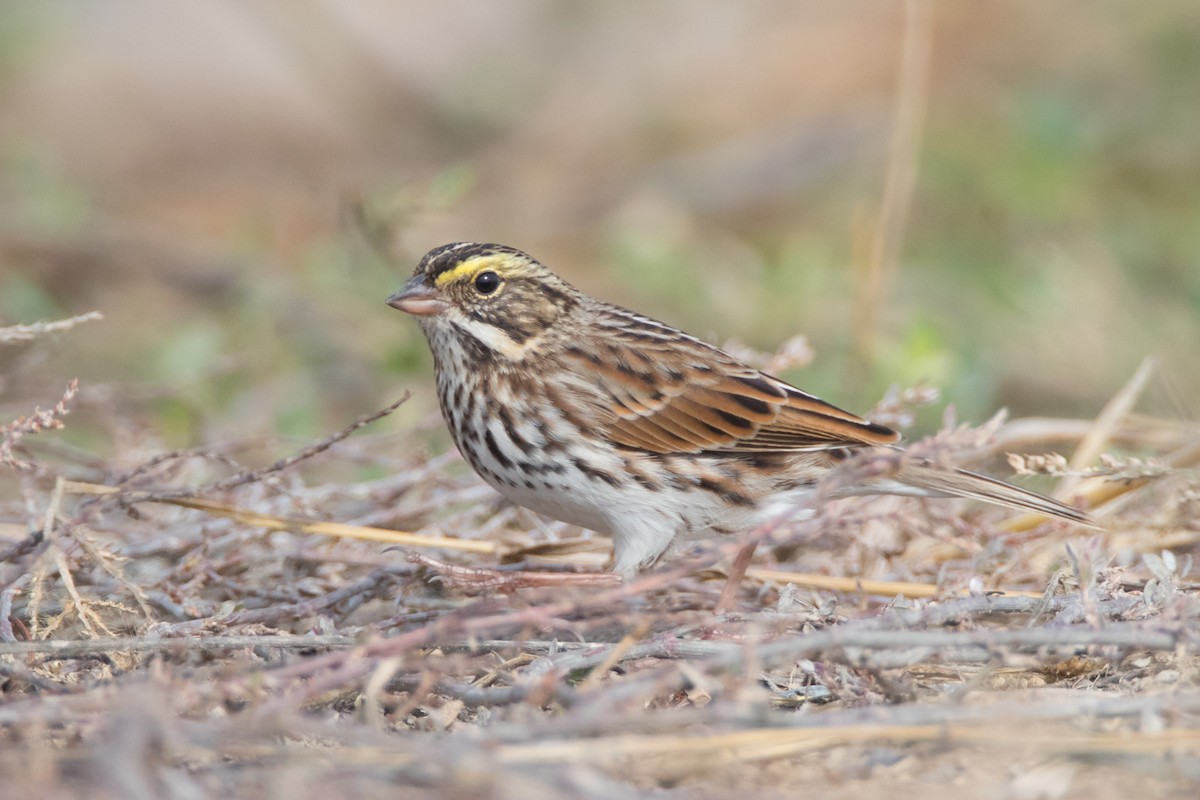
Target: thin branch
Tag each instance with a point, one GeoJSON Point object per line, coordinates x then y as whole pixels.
{"type": "Point", "coordinates": [36, 422]}
{"type": "Point", "coordinates": [6, 599]}
{"type": "Point", "coordinates": [477, 580]}
{"type": "Point", "coordinates": [371, 584]}
{"type": "Point", "coordinates": [130, 497]}
{"type": "Point", "coordinates": [84, 648]}
{"type": "Point", "coordinates": [11, 334]}
{"type": "Point", "coordinates": [254, 476]}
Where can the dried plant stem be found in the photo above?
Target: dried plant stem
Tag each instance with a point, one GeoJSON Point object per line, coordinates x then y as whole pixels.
{"type": "Point", "coordinates": [849, 585]}
{"type": "Point", "coordinates": [614, 655]}
{"type": "Point", "coordinates": [1115, 636]}
{"type": "Point", "coordinates": [6, 598]}
{"type": "Point", "coordinates": [11, 334]}
{"type": "Point", "coordinates": [771, 743]}
{"type": "Point", "coordinates": [277, 613]}
{"type": "Point", "coordinates": [1106, 422]}
{"type": "Point", "coordinates": [476, 580]}
{"type": "Point", "coordinates": [36, 422]}
{"type": "Point", "coordinates": [881, 264]}
{"type": "Point", "coordinates": [1098, 491]}
{"type": "Point", "coordinates": [253, 476]}
{"type": "Point", "coordinates": [83, 648]}
{"type": "Point", "coordinates": [276, 523]}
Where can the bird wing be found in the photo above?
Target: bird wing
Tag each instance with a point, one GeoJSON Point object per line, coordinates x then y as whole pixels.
{"type": "Point", "coordinates": [671, 393]}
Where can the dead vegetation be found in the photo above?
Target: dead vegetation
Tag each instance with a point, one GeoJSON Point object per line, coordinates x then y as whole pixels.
{"type": "Point", "coordinates": [188, 626]}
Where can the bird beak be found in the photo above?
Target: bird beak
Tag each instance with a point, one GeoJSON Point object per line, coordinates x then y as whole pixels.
{"type": "Point", "coordinates": [418, 298]}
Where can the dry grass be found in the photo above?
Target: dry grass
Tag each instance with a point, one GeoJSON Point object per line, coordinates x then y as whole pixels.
{"type": "Point", "coordinates": [188, 627]}
{"type": "Point", "coordinates": [358, 618]}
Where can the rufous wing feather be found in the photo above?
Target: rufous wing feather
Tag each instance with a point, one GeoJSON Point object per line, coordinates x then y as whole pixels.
{"type": "Point", "coordinates": [664, 401]}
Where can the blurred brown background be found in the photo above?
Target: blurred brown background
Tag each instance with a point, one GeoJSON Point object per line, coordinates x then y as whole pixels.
{"type": "Point", "coordinates": [187, 169]}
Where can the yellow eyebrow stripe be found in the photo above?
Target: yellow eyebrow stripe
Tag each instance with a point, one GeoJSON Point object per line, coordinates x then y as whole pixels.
{"type": "Point", "coordinates": [504, 264]}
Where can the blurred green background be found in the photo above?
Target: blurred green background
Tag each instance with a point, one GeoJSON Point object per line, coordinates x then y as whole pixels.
{"type": "Point", "coordinates": [187, 169]}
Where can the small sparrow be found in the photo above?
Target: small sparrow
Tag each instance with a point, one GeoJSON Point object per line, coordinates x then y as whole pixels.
{"type": "Point", "coordinates": [598, 416]}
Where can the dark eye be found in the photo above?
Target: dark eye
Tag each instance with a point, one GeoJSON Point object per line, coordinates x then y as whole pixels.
{"type": "Point", "coordinates": [487, 282]}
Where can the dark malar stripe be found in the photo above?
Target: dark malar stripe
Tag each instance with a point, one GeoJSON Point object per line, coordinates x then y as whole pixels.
{"type": "Point", "coordinates": [480, 355]}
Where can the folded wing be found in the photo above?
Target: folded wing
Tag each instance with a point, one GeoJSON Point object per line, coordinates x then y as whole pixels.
{"type": "Point", "coordinates": [673, 396]}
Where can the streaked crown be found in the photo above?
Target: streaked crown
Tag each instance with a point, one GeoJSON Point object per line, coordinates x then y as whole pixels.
{"type": "Point", "coordinates": [496, 294]}
{"type": "Point", "coordinates": [458, 260]}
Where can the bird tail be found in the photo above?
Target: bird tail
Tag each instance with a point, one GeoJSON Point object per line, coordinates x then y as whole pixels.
{"type": "Point", "coordinates": [930, 481]}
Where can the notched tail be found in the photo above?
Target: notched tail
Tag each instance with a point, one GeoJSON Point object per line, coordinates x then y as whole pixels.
{"type": "Point", "coordinates": [964, 483]}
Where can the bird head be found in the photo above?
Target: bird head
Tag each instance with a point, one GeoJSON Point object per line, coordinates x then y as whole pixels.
{"type": "Point", "coordinates": [496, 295]}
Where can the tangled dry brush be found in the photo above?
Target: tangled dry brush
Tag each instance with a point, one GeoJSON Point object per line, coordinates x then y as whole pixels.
{"type": "Point", "coordinates": [181, 625]}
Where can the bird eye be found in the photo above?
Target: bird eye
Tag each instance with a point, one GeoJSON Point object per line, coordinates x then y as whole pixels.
{"type": "Point", "coordinates": [487, 282]}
